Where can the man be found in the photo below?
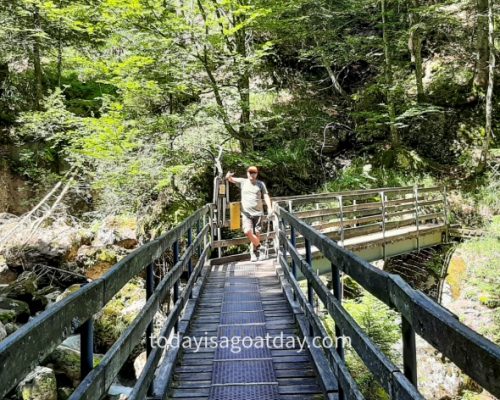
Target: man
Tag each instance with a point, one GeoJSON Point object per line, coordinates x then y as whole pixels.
{"type": "Point", "coordinates": [252, 211]}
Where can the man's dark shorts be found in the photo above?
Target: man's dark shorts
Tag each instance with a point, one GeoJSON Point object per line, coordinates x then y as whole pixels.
{"type": "Point", "coordinates": [251, 223]}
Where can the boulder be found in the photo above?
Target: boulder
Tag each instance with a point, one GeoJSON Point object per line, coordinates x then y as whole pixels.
{"type": "Point", "coordinates": [64, 393]}
{"type": "Point", "coordinates": [7, 276]}
{"type": "Point", "coordinates": [119, 230]}
{"type": "Point", "coordinates": [38, 253]}
{"type": "Point", "coordinates": [119, 392]}
{"type": "Point", "coordinates": [13, 310]}
{"type": "Point", "coordinates": [65, 361]}
{"type": "Point", "coordinates": [3, 331]}
{"type": "Point", "coordinates": [11, 327]}
{"type": "Point", "coordinates": [23, 288]}
{"type": "Point", "coordinates": [119, 313]}
{"type": "Point", "coordinates": [139, 363]}
{"type": "Point", "coordinates": [43, 297]}
{"type": "Point", "coordinates": [38, 385]}
{"type": "Point", "coordinates": [72, 289]}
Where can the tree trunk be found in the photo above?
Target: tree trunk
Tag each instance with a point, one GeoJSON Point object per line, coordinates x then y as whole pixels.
{"type": "Point", "coordinates": [59, 57]}
{"type": "Point", "coordinates": [415, 47]}
{"type": "Point", "coordinates": [489, 91]}
{"type": "Point", "coordinates": [246, 140]}
{"type": "Point", "coordinates": [37, 66]}
{"type": "Point", "coordinates": [481, 78]}
{"type": "Point", "coordinates": [395, 140]}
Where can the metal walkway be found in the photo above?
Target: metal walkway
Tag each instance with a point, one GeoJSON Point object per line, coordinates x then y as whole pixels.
{"type": "Point", "coordinates": [244, 309]}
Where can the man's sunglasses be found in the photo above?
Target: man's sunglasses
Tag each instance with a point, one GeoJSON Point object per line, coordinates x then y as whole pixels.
{"type": "Point", "coordinates": [252, 173]}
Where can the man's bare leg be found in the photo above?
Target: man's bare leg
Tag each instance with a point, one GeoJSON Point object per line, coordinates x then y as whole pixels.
{"type": "Point", "coordinates": [255, 239]}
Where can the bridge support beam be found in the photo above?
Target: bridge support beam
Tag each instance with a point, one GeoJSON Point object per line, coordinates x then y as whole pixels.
{"type": "Point", "coordinates": [409, 351]}
{"type": "Point", "coordinates": [86, 347]}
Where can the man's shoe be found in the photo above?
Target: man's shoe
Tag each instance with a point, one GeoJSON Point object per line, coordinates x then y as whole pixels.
{"type": "Point", "coordinates": [257, 254]}
{"type": "Point", "coordinates": [253, 257]}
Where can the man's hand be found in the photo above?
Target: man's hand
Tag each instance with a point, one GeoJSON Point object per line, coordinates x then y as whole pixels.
{"type": "Point", "coordinates": [229, 175]}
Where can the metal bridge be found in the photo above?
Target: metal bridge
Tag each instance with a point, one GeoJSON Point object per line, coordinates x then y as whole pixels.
{"type": "Point", "coordinates": [223, 301]}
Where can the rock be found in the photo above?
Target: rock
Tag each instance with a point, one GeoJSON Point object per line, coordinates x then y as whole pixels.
{"type": "Point", "coordinates": [6, 274]}
{"type": "Point", "coordinates": [11, 327]}
{"type": "Point", "coordinates": [13, 310]}
{"type": "Point", "coordinates": [42, 298]}
{"type": "Point", "coordinates": [64, 393]}
{"type": "Point", "coordinates": [119, 313]}
{"type": "Point", "coordinates": [23, 288]}
{"type": "Point", "coordinates": [72, 342]}
{"type": "Point", "coordinates": [97, 260]}
{"type": "Point", "coordinates": [65, 361]}
{"type": "Point", "coordinates": [3, 331]}
{"type": "Point", "coordinates": [119, 392]}
{"type": "Point", "coordinates": [38, 385]}
{"type": "Point", "coordinates": [139, 364]}
{"type": "Point", "coordinates": [72, 289]}
{"type": "Point", "coordinates": [39, 253]}
{"type": "Point", "coordinates": [120, 230]}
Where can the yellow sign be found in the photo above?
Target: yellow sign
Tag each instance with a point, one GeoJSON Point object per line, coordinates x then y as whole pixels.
{"type": "Point", "coordinates": [234, 212]}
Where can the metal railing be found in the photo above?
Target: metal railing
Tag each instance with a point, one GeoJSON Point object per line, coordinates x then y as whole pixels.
{"type": "Point", "coordinates": [475, 355]}
{"type": "Point", "coordinates": [22, 351]}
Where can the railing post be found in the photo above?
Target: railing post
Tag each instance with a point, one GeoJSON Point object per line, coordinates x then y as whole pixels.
{"type": "Point", "coordinates": [417, 222]}
{"type": "Point", "coordinates": [341, 209]}
{"type": "Point", "coordinates": [190, 263]}
{"type": "Point", "coordinates": [198, 230]}
{"type": "Point", "coordinates": [409, 351]}
{"type": "Point", "coordinates": [446, 214]}
{"type": "Point", "coordinates": [293, 240]}
{"type": "Point", "coordinates": [86, 347]}
{"type": "Point", "coordinates": [338, 292]}
{"type": "Point", "coordinates": [310, 292]}
{"type": "Point", "coordinates": [150, 287]}
{"type": "Point", "coordinates": [382, 200]}
{"type": "Point", "coordinates": [175, 250]}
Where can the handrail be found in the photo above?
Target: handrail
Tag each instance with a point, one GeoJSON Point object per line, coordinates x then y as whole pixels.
{"type": "Point", "coordinates": [475, 355]}
{"type": "Point", "coordinates": [28, 346]}
{"type": "Point", "coordinates": [351, 195]}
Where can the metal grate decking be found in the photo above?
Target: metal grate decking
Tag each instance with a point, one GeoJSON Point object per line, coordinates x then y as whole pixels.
{"type": "Point", "coordinates": [244, 300]}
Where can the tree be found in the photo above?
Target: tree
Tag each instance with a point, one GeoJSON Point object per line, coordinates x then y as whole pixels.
{"type": "Point", "coordinates": [395, 140]}
{"type": "Point", "coordinates": [489, 91]}
{"type": "Point", "coordinates": [483, 54]}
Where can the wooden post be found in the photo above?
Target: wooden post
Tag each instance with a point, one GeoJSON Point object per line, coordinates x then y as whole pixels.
{"type": "Point", "coordinates": [417, 222]}
{"type": "Point", "coordinates": [150, 287]}
{"type": "Point", "coordinates": [293, 240]}
{"type": "Point", "coordinates": [341, 209]}
{"type": "Point", "coordinates": [446, 214]}
{"type": "Point", "coordinates": [86, 347]}
{"type": "Point", "coordinates": [409, 351]}
{"type": "Point", "coordinates": [310, 293]}
{"type": "Point", "coordinates": [190, 262]}
{"type": "Point", "coordinates": [175, 250]}
{"type": "Point", "coordinates": [338, 293]}
{"type": "Point", "coordinates": [382, 200]}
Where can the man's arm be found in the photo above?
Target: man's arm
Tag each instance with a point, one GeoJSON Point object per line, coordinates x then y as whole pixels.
{"type": "Point", "coordinates": [269, 205]}
{"type": "Point", "coordinates": [230, 177]}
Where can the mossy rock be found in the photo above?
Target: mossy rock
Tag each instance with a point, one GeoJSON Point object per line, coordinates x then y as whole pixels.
{"type": "Point", "coordinates": [119, 313]}
{"type": "Point", "coordinates": [13, 310]}
{"type": "Point", "coordinates": [38, 385]}
{"type": "Point", "coordinates": [66, 361]}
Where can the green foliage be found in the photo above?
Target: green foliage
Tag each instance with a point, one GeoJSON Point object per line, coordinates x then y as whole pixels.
{"type": "Point", "coordinates": [362, 175]}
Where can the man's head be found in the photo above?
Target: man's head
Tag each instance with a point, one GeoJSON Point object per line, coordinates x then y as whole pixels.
{"type": "Point", "coordinates": [252, 173]}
